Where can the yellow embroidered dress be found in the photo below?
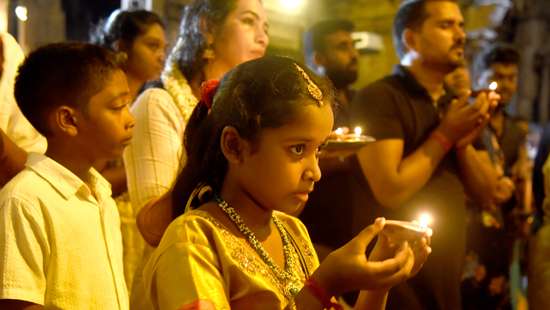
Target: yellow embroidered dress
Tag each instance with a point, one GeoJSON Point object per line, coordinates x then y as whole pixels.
{"type": "Point", "coordinates": [200, 264]}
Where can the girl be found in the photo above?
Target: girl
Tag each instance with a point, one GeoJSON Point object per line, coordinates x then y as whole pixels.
{"type": "Point", "coordinates": [140, 35]}
{"type": "Point", "coordinates": [215, 36]}
{"type": "Point", "coordinates": [252, 159]}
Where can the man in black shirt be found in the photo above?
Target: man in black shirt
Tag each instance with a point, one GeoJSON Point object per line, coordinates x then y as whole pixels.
{"type": "Point", "coordinates": [423, 159]}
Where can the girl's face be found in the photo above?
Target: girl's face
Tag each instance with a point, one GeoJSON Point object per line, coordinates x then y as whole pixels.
{"type": "Point", "coordinates": [243, 35]}
{"type": "Point", "coordinates": [279, 173]}
{"type": "Point", "coordinates": [146, 55]}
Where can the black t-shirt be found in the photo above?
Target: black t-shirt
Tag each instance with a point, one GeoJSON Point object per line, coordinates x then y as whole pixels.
{"type": "Point", "coordinates": [398, 107]}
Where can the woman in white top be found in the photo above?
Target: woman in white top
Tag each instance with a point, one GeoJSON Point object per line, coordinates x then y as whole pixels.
{"type": "Point", "coordinates": [215, 36]}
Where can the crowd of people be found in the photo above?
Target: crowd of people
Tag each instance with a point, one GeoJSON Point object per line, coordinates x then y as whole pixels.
{"type": "Point", "coordinates": [132, 178]}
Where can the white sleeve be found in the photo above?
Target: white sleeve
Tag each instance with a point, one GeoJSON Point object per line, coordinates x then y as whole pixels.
{"type": "Point", "coordinates": [24, 250]}
{"type": "Point", "coordinates": [153, 158]}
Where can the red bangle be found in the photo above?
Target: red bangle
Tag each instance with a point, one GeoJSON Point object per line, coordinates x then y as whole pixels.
{"type": "Point", "coordinates": [442, 140]}
{"type": "Point", "coordinates": [322, 295]}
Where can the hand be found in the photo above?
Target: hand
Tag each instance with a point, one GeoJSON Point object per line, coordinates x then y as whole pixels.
{"type": "Point", "coordinates": [348, 268]}
{"type": "Point", "coordinates": [462, 118]}
{"type": "Point", "coordinates": [504, 190]}
{"type": "Point", "coordinates": [472, 136]}
{"type": "Point", "coordinates": [388, 243]}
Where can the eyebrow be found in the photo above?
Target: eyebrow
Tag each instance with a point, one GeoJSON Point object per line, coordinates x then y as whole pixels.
{"type": "Point", "coordinates": [256, 15]}
{"type": "Point", "coordinates": [118, 96]}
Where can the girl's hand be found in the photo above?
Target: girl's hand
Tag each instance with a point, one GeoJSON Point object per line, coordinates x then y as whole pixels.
{"type": "Point", "coordinates": [387, 247]}
{"type": "Point", "coordinates": [348, 268]}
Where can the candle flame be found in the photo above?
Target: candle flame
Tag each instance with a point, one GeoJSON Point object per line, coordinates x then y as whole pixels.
{"type": "Point", "coordinates": [358, 131]}
{"type": "Point", "coordinates": [339, 131]}
{"type": "Point", "coordinates": [493, 86]}
{"type": "Point", "coordinates": [425, 220]}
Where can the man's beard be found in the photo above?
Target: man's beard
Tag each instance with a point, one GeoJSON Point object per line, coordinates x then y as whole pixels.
{"type": "Point", "coordinates": [342, 78]}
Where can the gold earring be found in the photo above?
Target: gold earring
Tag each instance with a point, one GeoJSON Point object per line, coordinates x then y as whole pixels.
{"type": "Point", "coordinates": [208, 53]}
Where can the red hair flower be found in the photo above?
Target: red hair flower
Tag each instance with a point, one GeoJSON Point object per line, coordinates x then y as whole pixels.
{"type": "Point", "coordinates": [208, 90]}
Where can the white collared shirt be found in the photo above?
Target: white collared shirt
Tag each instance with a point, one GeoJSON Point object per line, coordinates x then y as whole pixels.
{"type": "Point", "coordinates": [60, 240]}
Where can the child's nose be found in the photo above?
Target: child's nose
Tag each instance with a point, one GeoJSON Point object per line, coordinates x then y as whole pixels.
{"type": "Point", "coordinates": [313, 171]}
{"type": "Point", "coordinates": [130, 121]}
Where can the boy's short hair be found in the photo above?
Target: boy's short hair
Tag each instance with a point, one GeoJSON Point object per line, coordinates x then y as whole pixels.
{"type": "Point", "coordinates": [497, 53]}
{"type": "Point", "coordinates": [59, 74]}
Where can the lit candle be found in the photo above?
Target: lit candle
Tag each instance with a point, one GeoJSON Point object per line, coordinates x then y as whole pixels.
{"type": "Point", "coordinates": [425, 220]}
{"type": "Point", "coordinates": [339, 131]}
{"type": "Point", "coordinates": [493, 86]}
{"type": "Point", "coordinates": [358, 131]}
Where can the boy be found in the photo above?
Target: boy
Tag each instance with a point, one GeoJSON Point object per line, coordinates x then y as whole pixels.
{"type": "Point", "coordinates": [60, 238]}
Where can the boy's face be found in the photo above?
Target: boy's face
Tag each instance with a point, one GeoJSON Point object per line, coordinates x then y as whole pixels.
{"type": "Point", "coordinates": [281, 172]}
{"type": "Point", "coordinates": [506, 75]}
{"type": "Point", "coordinates": [105, 128]}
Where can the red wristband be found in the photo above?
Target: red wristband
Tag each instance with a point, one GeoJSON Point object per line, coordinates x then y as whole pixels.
{"type": "Point", "coordinates": [442, 140]}
{"type": "Point", "coordinates": [322, 295]}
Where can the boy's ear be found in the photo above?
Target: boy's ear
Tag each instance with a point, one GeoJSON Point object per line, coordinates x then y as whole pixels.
{"type": "Point", "coordinates": [65, 120]}
{"type": "Point", "coordinates": [232, 145]}
{"type": "Point", "coordinates": [408, 39]}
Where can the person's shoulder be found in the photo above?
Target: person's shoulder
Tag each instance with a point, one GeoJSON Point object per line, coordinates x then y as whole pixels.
{"type": "Point", "coordinates": [292, 222]}
{"type": "Point", "coordinates": [25, 190]}
{"type": "Point", "coordinates": [155, 103]}
{"type": "Point", "coordinates": [196, 227]}
{"type": "Point", "coordinates": [153, 97]}
{"type": "Point", "coordinates": [22, 185]}
{"type": "Point", "coordinates": [378, 90]}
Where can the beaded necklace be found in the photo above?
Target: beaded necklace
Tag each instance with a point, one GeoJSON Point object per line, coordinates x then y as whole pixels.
{"type": "Point", "coordinates": [287, 277]}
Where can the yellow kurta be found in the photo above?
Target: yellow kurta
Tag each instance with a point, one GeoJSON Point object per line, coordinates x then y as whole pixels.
{"type": "Point", "coordinates": [199, 261]}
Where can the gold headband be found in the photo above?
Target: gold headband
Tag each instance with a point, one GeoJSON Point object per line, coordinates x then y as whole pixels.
{"type": "Point", "coordinates": [312, 88]}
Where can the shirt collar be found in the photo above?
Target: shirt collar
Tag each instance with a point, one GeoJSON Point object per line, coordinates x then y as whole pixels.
{"type": "Point", "coordinates": [66, 182]}
{"type": "Point", "coordinates": [410, 82]}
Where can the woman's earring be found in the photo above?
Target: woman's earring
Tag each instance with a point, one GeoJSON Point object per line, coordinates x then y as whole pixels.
{"type": "Point", "coordinates": [208, 53]}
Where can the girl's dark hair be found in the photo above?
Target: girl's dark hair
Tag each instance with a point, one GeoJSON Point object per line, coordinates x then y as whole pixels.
{"type": "Point", "coordinates": [124, 26]}
{"type": "Point", "coordinates": [262, 93]}
{"type": "Point", "coordinates": [191, 40]}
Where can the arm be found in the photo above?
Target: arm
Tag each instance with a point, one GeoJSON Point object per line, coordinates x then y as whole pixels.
{"type": "Point", "coordinates": [478, 176]}
{"type": "Point", "coordinates": [185, 275]}
{"type": "Point", "coordinates": [395, 179]}
{"type": "Point", "coordinates": [24, 250]}
{"type": "Point", "coordinates": [153, 219]}
{"type": "Point", "coordinates": [347, 269]}
{"type": "Point", "coordinates": [12, 159]}
{"type": "Point", "coordinates": [375, 299]}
